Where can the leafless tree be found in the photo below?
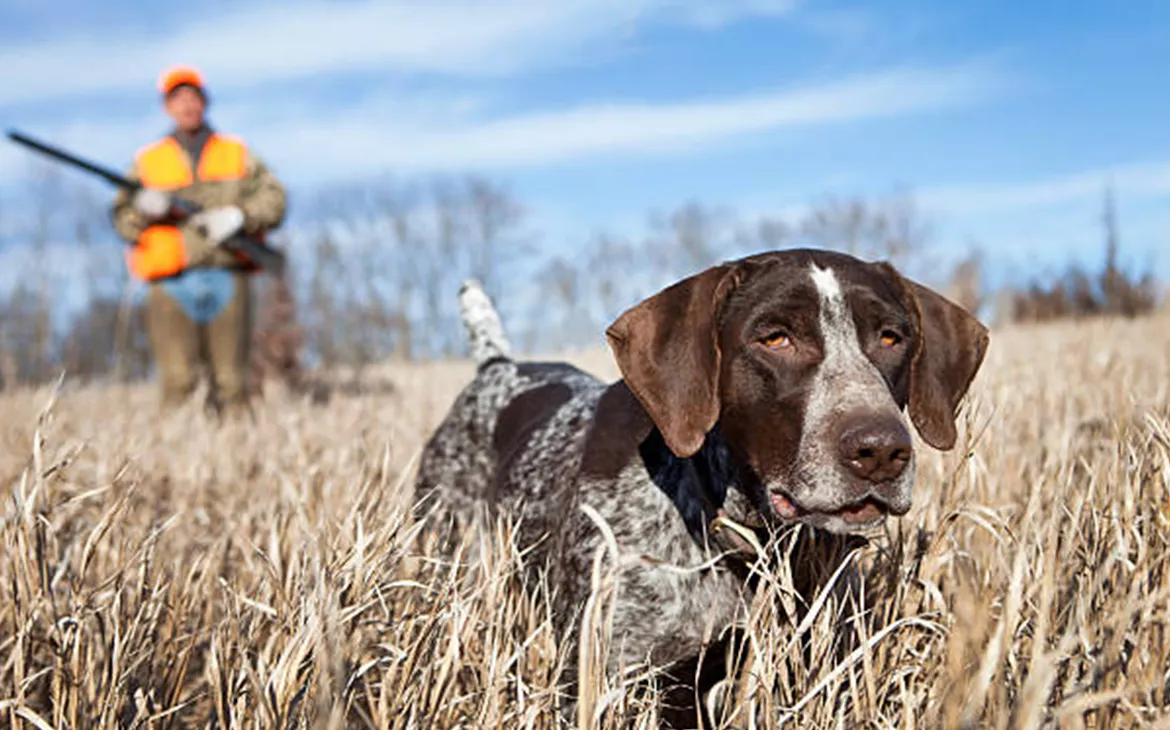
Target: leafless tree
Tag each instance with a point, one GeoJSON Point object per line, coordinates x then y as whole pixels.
{"type": "Point", "coordinates": [966, 282]}
{"type": "Point", "coordinates": [388, 257]}
{"type": "Point", "coordinates": [8, 365]}
{"type": "Point", "coordinates": [494, 218]}
{"type": "Point", "coordinates": [438, 256]}
{"type": "Point", "coordinates": [1078, 293]}
{"type": "Point", "coordinates": [688, 239]}
{"type": "Point", "coordinates": [765, 233]}
{"type": "Point", "coordinates": [564, 316]}
{"type": "Point", "coordinates": [890, 228]}
{"type": "Point", "coordinates": [46, 203]}
{"type": "Point", "coordinates": [610, 261]}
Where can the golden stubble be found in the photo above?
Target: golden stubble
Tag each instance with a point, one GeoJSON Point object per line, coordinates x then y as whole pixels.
{"type": "Point", "coordinates": [161, 572]}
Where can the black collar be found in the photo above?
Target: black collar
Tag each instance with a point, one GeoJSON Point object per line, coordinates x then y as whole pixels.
{"type": "Point", "coordinates": [698, 486]}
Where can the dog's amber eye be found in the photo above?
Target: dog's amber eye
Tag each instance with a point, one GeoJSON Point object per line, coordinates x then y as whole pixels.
{"type": "Point", "coordinates": [890, 338]}
{"type": "Point", "coordinates": [777, 340]}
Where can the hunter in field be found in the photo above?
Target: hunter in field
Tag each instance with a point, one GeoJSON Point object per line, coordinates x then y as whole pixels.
{"type": "Point", "coordinates": [199, 305]}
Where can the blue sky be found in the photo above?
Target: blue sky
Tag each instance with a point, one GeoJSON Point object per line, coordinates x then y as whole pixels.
{"type": "Point", "coordinates": [1005, 119]}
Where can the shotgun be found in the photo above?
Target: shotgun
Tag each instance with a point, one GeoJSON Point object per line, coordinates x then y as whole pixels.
{"type": "Point", "coordinates": [264, 256]}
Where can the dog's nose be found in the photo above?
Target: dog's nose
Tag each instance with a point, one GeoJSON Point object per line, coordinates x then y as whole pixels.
{"type": "Point", "coordinates": [876, 450]}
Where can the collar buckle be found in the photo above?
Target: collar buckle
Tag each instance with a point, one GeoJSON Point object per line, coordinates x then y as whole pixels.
{"type": "Point", "coordinates": [735, 537]}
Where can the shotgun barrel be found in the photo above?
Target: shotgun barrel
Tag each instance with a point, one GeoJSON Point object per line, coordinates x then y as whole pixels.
{"type": "Point", "coordinates": [262, 255]}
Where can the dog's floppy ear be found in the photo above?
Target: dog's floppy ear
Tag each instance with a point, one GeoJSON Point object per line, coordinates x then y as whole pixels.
{"type": "Point", "coordinates": [667, 349]}
{"type": "Point", "coordinates": [950, 350]}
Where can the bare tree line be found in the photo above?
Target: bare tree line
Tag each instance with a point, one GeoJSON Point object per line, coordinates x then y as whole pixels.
{"type": "Point", "coordinates": [374, 268]}
{"type": "Point", "coordinates": [1080, 292]}
{"type": "Point", "coordinates": [68, 309]}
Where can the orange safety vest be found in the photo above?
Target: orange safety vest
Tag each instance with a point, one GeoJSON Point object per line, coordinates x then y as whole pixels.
{"type": "Point", "coordinates": [160, 251]}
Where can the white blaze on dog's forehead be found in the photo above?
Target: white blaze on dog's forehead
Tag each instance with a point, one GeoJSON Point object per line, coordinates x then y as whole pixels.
{"type": "Point", "coordinates": [835, 320]}
{"type": "Point", "coordinates": [826, 283]}
{"type": "Point", "coordinates": [845, 378]}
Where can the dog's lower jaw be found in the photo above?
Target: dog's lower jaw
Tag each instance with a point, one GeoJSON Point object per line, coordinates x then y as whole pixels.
{"type": "Point", "coordinates": [836, 502]}
{"type": "Point", "coordinates": [861, 517]}
{"type": "Point", "coordinates": [837, 525]}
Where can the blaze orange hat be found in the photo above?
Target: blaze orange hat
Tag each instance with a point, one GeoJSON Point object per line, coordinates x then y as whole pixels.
{"type": "Point", "coordinates": [177, 76]}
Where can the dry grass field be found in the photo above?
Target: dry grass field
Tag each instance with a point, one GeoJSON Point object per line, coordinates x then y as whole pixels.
{"type": "Point", "coordinates": [165, 573]}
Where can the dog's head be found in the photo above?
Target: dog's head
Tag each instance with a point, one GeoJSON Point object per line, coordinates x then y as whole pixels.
{"type": "Point", "coordinates": [806, 361]}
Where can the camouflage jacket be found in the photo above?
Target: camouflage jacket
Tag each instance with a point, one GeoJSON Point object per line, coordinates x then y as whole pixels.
{"type": "Point", "coordinates": [259, 194]}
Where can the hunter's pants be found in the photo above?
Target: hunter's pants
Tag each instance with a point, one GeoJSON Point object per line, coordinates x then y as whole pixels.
{"type": "Point", "coordinates": [202, 317]}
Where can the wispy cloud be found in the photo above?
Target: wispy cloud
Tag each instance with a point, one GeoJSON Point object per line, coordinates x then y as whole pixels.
{"type": "Point", "coordinates": [655, 129]}
{"type": "Point", "coordinates": [382, 133]}
{"type": "Point", "coordinates": [286, 41]}
{"type": "Point", "coordinates": [711, 14]}
{"type": "Point", "coordinates": [1045, 223]}
{"type": "Point", "coordinates": [1041, 198]}
{"type": "Point", "coordinates": [1138, 180]}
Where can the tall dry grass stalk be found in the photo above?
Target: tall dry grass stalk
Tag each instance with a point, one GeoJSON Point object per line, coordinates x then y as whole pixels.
{"type": "Point", "coordinates": [160, 572]}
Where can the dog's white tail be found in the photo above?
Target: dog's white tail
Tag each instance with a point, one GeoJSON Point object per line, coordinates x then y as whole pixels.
{"type": "Point", "coordinates": [485, 332]}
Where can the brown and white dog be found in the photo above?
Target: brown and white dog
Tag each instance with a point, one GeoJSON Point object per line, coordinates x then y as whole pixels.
{"type": "Point", "coordinates": [768, 389]}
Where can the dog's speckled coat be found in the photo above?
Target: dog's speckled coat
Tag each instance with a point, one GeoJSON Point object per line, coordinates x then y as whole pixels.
{"type": "Point", "coordinates": [715, 412]}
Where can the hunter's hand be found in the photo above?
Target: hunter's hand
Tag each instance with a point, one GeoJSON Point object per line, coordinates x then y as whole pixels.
{"type": "Point", "coordinates": [154, 205]}
{"type": "Point", "coordinates": [219, 224]}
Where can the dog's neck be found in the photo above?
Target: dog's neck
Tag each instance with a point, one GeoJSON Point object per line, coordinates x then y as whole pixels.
{"type": "Point", "coordinates": [706, 489]}
{"type": "Point", "coordinates": [712, 495]}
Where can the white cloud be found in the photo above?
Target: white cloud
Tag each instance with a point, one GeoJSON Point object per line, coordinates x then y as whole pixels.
{"type": "Point", "coordinates": [297, 39]}
{"type": "Point", "coordinates": [1050, 221]}
{"type": "Point", "coordinates": [356, 141]}
{"type": "Point", "coordinates": [1043, 210]}
{"type": "Point", "coordinates": [1134, 180]}
{"type": "Point", "coordinates": [384, 134]}
{"type": "Point", "coordinates": [718, 13]}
